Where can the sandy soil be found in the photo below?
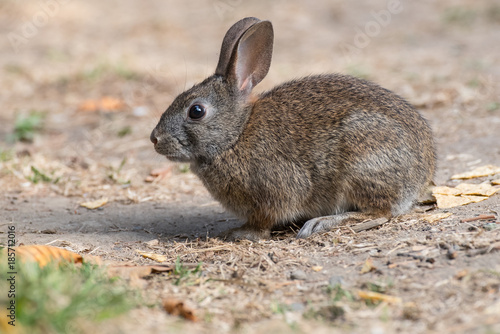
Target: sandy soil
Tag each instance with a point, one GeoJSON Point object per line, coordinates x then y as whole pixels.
{"type": "Point", "coordinates": [442, 56]}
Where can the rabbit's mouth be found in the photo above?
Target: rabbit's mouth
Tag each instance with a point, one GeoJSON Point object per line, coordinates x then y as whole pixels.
{"type": "Point", "coordinates": [177, 155]}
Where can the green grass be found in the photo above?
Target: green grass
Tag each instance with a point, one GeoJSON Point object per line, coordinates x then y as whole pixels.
{"type": "Point", "coordinates": [185, 276]}
{"type": "Point", "coordinates": [57, 297]}
{"type": "Point", "coordinates": [39, 176]}
{"type": "Point", "coordinates": [358, 71]}
{"type": "Point", "coordinates": [114, 173]}
{"type": "Point", "coordinates": [25, 126]}
{"type": "Point", "coordinates": [101, 70]}
{"type": "Point", "coordinates": [6, 155]}
{"type": "Point", "coordinates": [493, 106]}
{"type": "Point", "coordinates": [184, 168]}
{"type": "Point", "coordinates": [124, 131]}
{"type": "Point", "coordinates": [459, 16]}
{"type": "Point", "coordinates": [338, 293]}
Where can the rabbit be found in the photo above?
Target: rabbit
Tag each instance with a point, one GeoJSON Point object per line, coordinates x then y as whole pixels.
{"type": "Point", "coordinates": [325, 149]}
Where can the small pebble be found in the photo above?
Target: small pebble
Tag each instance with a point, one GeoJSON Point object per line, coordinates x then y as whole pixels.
{"type": "Point", "coordinates": [336, 280]}
{"type": "Point", "coordinates": [298, 275]}
{"type": "Point", "coordinates": [297, 307]}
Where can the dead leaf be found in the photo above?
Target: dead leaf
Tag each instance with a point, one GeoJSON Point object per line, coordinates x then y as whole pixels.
{"type": "Point", "coordinates": [95, 204]}
{"type": "Point", "coordinates": [44, 254]}
{"type": "Point", "coordinates": [159, 173]}
{"type": "Point", "coordinates": [478, 172]}
{"type": "Point", "coordinates": [483, 189]}
{"type": "Point", "coordinates": [434, 218]}
{"type": "Point", "coordinates": [368, 266]}
{"type": "Point", "coordinates": [375, 296]}
{"type": "Point", "coordinates": [446, 201]}
{"type": "Point", "coordinates": [106, 104]}
{"type": "Point", "coordinates": [178, 308]}
{"type": "Point", "coordinates": [464, 193]}
{"type": "Point", "coordinates": [496, 182]}
{"type": "Point", "coordinates": [152, 256]}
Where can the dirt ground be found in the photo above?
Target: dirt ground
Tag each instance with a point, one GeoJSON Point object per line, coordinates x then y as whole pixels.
{"type": "Point", "coordinates": [59, 56]}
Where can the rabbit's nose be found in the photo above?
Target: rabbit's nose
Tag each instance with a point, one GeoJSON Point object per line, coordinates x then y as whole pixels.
{"type": "Point", "coordinates": [153, 138]}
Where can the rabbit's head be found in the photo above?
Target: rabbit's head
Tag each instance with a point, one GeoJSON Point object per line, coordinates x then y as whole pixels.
{"type": "Point", "coordinates": [208, 118]}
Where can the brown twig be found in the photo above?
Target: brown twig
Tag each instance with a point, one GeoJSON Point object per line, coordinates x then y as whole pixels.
{"type": "Point", "coordinates": [480, 217]}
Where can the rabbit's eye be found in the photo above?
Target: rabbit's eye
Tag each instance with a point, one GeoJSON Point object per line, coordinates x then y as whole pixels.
{"type": "Point", "coordinates": [196, 111]}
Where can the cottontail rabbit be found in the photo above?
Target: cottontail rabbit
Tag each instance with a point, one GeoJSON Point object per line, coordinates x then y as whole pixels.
{"type": "Point", "coordinates": [322, 149]}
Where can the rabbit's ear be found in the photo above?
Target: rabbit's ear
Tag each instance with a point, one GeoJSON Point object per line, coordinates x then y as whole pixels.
{"type": "Point", "coordinates": [246, 53]}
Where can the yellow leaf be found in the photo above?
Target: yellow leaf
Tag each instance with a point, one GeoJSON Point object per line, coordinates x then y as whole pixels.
{"type": "Point", "coordinates": [152, 256]}
{"type": "Point", "coordinates": [317, 268]}
{"type": "Point", "coordinates": [447, 201]}
{"type": "Point", "coordinates": [375, 296]}
{"type": "Point", "coordinates": [478, 172]}
{"type": "Point", "coordinates": [95, 204]}
{"type": "Point", "coordinates": [483, 189]}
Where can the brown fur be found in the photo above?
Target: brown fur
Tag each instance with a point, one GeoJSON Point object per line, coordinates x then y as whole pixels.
{"type": "Point", "coordinates": [326, 145]}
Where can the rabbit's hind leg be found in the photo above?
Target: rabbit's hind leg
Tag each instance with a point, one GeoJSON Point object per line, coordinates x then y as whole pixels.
{"type": "Point", "coordinates": [327, 223]}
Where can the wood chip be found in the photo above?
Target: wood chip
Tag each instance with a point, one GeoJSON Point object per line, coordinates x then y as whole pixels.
{"type": "Point", "coordinates": [478, 172]}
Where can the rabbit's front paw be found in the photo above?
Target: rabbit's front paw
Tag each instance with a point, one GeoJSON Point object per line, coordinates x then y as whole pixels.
{"type": "Point", "coordinates": [244, 233]}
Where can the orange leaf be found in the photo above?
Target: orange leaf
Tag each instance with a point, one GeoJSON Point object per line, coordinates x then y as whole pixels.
{"type": "Point", "coordinates": [107, 103]}
{"type": "Point", "coordinates": [176, 307]}
{"type": "Point", "coordinates": [45, 254]}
